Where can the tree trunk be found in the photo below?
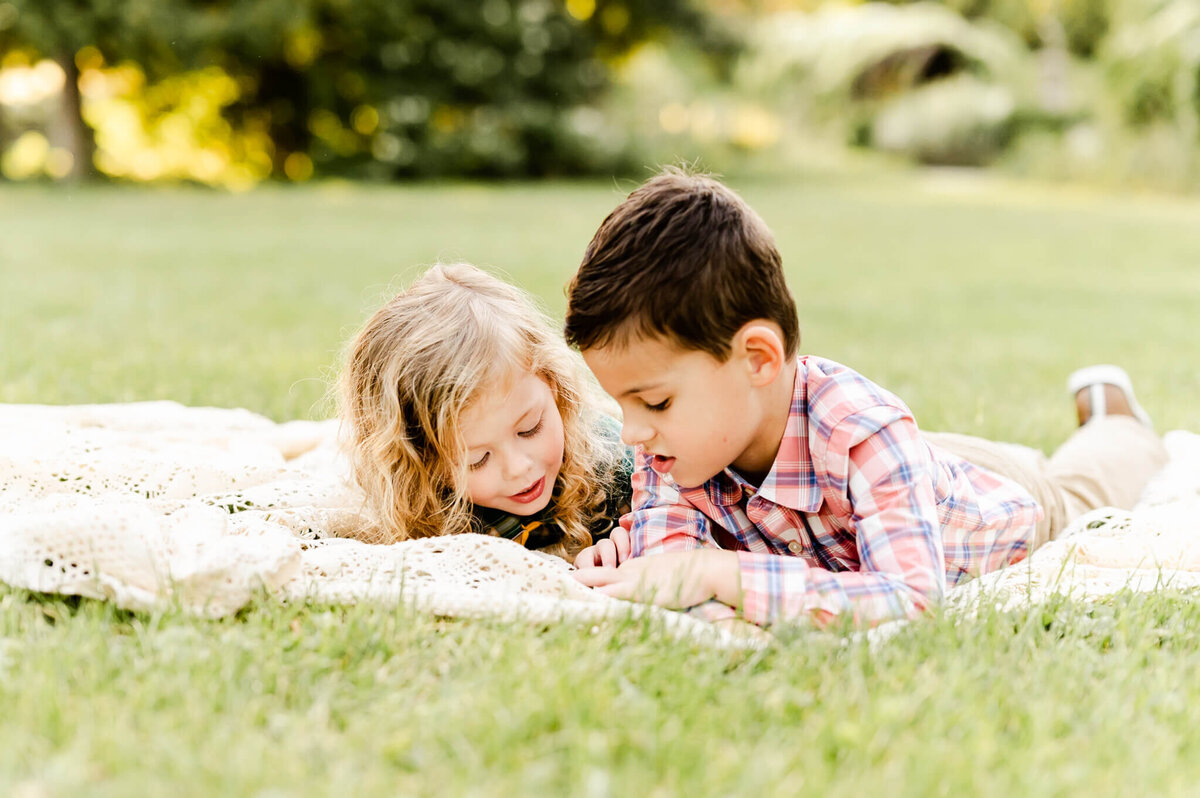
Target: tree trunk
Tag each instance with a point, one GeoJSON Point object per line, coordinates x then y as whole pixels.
{"type": "Point", "coordinates": [80, 139]}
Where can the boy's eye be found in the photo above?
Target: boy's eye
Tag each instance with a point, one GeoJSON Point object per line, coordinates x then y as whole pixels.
{"type": "Point", "coordinates": [529, 433]}
{"type": "Point", "coordinates": [480, 463]}
{"type": "Point", "coordinates": [658, 408]}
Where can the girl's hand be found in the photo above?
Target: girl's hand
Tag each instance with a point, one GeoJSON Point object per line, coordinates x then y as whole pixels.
{"type": "Point", "coordinates": [608, 553]}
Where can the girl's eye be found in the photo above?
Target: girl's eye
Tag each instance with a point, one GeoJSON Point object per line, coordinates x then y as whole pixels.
{"type": "Point", "coordinates": [661, 406]}
{"type": "Point", "coordinates": [529, 433]}
{"type": "Point", "coordinates": [480, 463]}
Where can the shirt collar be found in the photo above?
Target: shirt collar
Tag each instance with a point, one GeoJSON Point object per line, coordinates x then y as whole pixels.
{"type": "Point", "coordinates": [726, 488]}
{"type": "Point", "coordinates": [792, 480]}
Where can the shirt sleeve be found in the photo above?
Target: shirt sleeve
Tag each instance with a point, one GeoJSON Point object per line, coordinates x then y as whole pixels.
{"type": "Point", "coordinates": [887, 473]}
{"type": "Point", "coordinates": [661, 519]}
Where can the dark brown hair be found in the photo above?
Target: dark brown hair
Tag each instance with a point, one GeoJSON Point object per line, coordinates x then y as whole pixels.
{"type": "Point", "coordinates": [685, 258]}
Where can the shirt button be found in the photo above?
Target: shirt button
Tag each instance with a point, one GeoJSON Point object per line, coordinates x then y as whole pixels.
{"type": "Point", "coordinates": [795, 547]}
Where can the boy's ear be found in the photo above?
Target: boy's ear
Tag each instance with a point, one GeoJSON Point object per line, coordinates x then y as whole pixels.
{"type": "Point", "coordinates": [759, 343]}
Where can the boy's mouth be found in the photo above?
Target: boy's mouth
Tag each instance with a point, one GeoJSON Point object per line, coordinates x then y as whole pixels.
{"type": "Point", "coordinates": [661, 464]}
{"type": "Point", "coordinates": [531, 493]}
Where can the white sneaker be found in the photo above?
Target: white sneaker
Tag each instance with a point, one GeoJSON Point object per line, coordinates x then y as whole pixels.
{"type": "Point", "coordinates": [1094, 378]}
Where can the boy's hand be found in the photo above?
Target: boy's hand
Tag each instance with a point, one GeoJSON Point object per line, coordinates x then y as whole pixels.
{"type": "Point", "coordinates": [609, 553]}
{"type": "Point", "coordinates": [676, 580]}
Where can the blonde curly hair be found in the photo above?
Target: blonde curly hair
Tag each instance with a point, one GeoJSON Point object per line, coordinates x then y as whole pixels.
{"type": "Point", "coordinates": [418, 364]}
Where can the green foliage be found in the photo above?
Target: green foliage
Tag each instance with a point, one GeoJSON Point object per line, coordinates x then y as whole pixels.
{"type": "Point", "coordinates": [1086, 24]}
{"type": "Point", "coordinates": [385, 88]}
{"type": "Point", "coordinates": [1080, 24]}
{"type": "Point", "coordinates": [918, 80]}
{"type": "Point", "coordinates": [388, 88]}
{"type": "Point", "coordinates": [875, 50]}
{"type": "Point", "coordinates": [140, 30]}
{"type": "Point", "coordinates": [1153, 64]}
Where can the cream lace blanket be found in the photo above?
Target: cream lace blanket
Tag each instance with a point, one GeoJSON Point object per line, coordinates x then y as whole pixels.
{"type": "Point", "coordinates": [152, 502]}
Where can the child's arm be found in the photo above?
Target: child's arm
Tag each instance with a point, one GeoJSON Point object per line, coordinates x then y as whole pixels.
{"type": "Point", "coordinates": [889, 496]}
{"type": "Point", "coordinates": [888, 475]}
{"type": "Point", "coordinates": [684, 571]}
{"type": "Point", "coordinates": [661, 521]}
{"type": "Point", "coordinates": [686, 567]}
{"type": "Point", "coordinates": [679, 579]}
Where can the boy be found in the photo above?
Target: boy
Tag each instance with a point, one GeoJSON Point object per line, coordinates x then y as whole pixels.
{"type": "Point", "coordinates": [788, 487]}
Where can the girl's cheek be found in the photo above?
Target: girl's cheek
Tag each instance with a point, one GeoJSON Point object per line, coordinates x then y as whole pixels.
{"type": "Point", "coordinates": [560, 442]}
{"type": "Point", "coordinates": [476, 488]}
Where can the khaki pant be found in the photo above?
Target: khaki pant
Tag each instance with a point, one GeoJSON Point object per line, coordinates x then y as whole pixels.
{"type": "Point", "coordinates": [1105, 463]}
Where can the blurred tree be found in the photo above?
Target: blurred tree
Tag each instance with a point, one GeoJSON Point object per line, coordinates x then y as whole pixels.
{"type": "Point", "coordinates": [386, 88]}
{"type": "Point", "coordinates": [377, 88]}
{"type": "Point", "coordinates": [140, 30]}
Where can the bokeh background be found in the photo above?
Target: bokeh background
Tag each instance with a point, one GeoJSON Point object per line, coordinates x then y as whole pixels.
{"type": "Point", "coordinates": [232, 93]}
{"type": "Point", "coordinates": [202, 199]}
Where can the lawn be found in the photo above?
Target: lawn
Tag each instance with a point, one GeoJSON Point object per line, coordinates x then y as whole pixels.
{"type": "Point", "coordinates": [970, 299]}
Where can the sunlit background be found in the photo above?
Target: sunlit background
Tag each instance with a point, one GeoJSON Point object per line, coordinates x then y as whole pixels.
{"type": "Point", "coordinates": [235, 92]}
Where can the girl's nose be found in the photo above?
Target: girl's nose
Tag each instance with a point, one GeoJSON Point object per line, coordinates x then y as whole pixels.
{"type": "Point", "coordinates": [516, 462]}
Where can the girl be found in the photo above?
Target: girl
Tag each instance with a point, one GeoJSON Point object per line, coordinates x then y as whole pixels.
{"type": "Point", "coordinates": [466, 412]}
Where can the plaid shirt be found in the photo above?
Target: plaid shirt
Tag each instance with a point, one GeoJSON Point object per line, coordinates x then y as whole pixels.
{"type": "Point", "coordinates": [859, 516]}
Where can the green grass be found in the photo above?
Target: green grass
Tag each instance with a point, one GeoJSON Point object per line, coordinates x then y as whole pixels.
{"type": "Point", "coordinates": [972, 301]}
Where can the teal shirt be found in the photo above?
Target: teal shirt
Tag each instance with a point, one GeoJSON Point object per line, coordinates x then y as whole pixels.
{"type": "Point", "coordinates": [542, 529]}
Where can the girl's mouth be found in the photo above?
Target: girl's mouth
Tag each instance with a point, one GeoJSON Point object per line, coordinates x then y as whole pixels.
{"type": "Point", "coordinates": [662, 464]}
{"type": "Point", "coordinates": [531, 493]}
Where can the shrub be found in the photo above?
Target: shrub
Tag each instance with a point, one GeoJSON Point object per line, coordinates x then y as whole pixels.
{"type": "Point", "coordinates": [919, 80]}
{"type": "Point", "coordinates": [1153, 66]}
{"type": "Point", "coordinates": [1083, 23]}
